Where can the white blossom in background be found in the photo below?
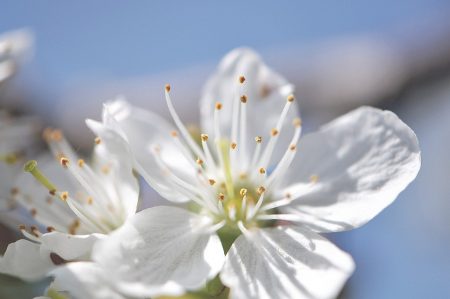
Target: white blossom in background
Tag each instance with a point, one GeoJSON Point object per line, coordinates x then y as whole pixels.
{"type": "Point", "coordinates": [255, 196]}
{"type": "Point", "coordinates": [79, 205]}
{"type": "Point", "coordinates": [13, 46]}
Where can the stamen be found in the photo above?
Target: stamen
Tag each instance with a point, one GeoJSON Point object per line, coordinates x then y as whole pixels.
{"type": "Point", "coordinates": [179, 124]}
{"type": "Point", "coordinates": [209, 159]}
{"type": "Point", "coordinates": [97, 140]}
{"type": "Point", "coordinates": [274, 132]}
{"type": "Point", "coordinates": [81, 162]}
{"type": "Point", "coordinates": [31, 167]}
{"type": "Point", "coordinates": [241, 79]}
{"type": "Point", "coordinates": [64, 195]}
{"type": "Point", "coordinates": [243, 192]}
{"type": "Point", "coordinates": [199, 161]}
{"type": "Point", "coordinates": [204, 137]}
{"type": "Point", "coordinates": [64, 162]}
{"type": "Point", "coordinates": [233, 145]}
{"type": "Point", "coordinates": [50, 229]}
{"type": "Point", "coordinates": [221, 196]}
{"type": "Point", "coordinates": [262, 170]}
{"type": "Point", "coordinates": [212, 182]}
{"type": "Point", "coordinates": [243, 99]}
{"type": "Point", "coordinates": [314, 178]}
{"type": "Point", "coordinates": [9, 158]}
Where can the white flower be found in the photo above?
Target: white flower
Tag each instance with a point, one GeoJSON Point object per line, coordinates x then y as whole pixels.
{"type": "Point", "coordinates": [251, 190]}
{"type": "Point", "coordinates": [82, 204]}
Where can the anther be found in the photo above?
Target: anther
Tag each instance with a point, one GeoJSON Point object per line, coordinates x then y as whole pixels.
{"type": "Point", "coordinates": [243, 192]}
{"type": "Point", "coordinates": [241, 79]}
{"type": "Point", "coordinates": [90, 200]}
{"type": "Point", "coordinates": [199, 161]}
{"type": "Point", "coordinates": [106, 169]}
{"type": "Point", "coordinates": [47, 133]}
{"type": "Point", "coordinates": [233, 145]}
{"type": "Point", "coordinates": [64, 162]}
{"type": "Point", "coordinates": [274, 132]}
{"type": "Point", "coordinates": [174, 133]}
{"type": "Point", "coordinates": [211, 182]}
{"type": "Point", "coordinates": [50, 229]}
{"type": "Point", "coordinates": [14, 191]}
{"type": "Point", "coordinates": [243, 99]}
{"type": "Point", "coordinates": [64, 195]}
{"type": "Point", "coordinates": [290, 98]}
{"type": "Point", "coordinates": [167, 87]}
{"type": "Point", "coordinates": [314, 178]}
{"type": "Point", "coordinates": [204, 137]}
{"type": "Point", "coordinates": [97, 140]}
{"type": "Point", "coordinates": [262, 170]}
{"type": "Point", "coordinates": [56, 135]}
{"type": "Point", "coordinates": [22, 227]}
{"type": "Point", "coordinates": [34, 231]}
{"type": "Point", "coordinates": [293, 147]}
{"type": "Point", "coordinates": [218, 105]}
{"type": "Point", "coordinates": [260, 190]}
{"type": "Point", "coordinates": [297, 122]}
{"type": "Point", "coordinates": [33, 212]}
{"type": "Point", "coordinates": [31, 167]}
{"type": "Point", "coordinates": [81, 162]}
{"type": "Point", "coordinates": [221, 196]}
{"type": "Point", "coordinates": [258, 139]}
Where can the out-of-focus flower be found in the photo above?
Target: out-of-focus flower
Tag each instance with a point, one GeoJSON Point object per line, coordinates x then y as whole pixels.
{"type": "Point", "coordinates": [13, 45]}
{"type": "Point", "coordinates": [18, 137]}
{"type": "Point", "coordinates": [251, 191]}
{"type": "Point", "coordinates": [83, 204]}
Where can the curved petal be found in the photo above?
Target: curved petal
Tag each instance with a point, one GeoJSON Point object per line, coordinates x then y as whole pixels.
{"type": "Point", "coordinates": [143, 131]}
{"type": "Point", "coordinates": [114, 153]}
{"type": "Point", "coordinates": [358, 164]}
{"type": "Point", "coordinates": [84, 280]}
{"type": "Point", "coordinates": [24, 260]}
{"type": "Point", "coordinates": [67, 246]}
{"type": "Point", "coordinates": [265, 89]}
{"type": "Point", "coordinates": [161, 251]}
{"type": "Point", "coordinates": [286, 263]}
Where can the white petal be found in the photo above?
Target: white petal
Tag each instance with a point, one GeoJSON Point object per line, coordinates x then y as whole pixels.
{"type": "Point", "coordinates": [266, 91]}
{"type": "Point", "coordinates": [84, 280]}
{"type": "Point", "coordinates": [361, 162]}
{"type": "Point", "coordinates": [286, 263]}
{"type": "Point", "coordinates": [114, 153]}
{"type": "Point", "coordinates": [161, 251]}
{"type": "Point", "coordinates": [24, 260]}
{"type": "Point", "coordinates": [69, 247]}
{"type": "Point", "coordinates": [143, 131]}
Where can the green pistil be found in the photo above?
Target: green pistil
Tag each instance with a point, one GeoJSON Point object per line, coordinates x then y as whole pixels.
{"type": "Point", "coordinates": [31, 167]}
{"type": "Point", "coordinates": [224, 147]}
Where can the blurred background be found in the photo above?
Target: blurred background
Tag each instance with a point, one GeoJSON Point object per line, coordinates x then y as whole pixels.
{"type": "Point", "coordinates": [340, 55]}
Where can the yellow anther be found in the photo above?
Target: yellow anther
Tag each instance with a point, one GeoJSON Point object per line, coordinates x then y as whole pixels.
{"type": "Point", "coordinates": [34, 231]}
{"type": "Point", "coordinates": [22, 227]}
{"type": "Point", "coordinates": [218, 105]}
{"type": "Point", "coordinates": [258, 139]}
{"type": "Point", "coordinates": [97, 140]}
{"type": "Point", "coordinates": [262, 170]}
{"type": "Point", "coordinates": [64, 162]}
{"type": "Point", "coordinates": [90, 200]}
{"type": "Point", "coordinates": [260, 190]}
{"type": "Point", "coordinates": [50, 229]}
{"type": "Point", "coordinates": [241, 79]}
{"type": "Point", "coordinates": [204, 137]}
{"type": "Point", "coordinates": [56, 135]}
{"type": "Point", "coordinates": [243, 192]}
{"type": "Point", "coordinates": [199, 161]}
{"type": "Point", "coordinates": [243, 175]}
{"type": "Point", "coordinates": [174, 133]}
{"type": "Point", "coordinates": [80, 162]}
{"type": "Point", "coordinates": [274, 132]}
{"type": "Point", "coordinates": [212, 182]}
{"type": "Point", "coordinates": [293, 147]}
{"type": "Point", "coordinates": [243, 98]}
{"type": "Point", "coordinates": [314, 178]}
{"type": "Point", "coordinates": [233, 145]}
{"type": "Point", "coordinates": [106, 169]}
{"type": "Point", "coordinates": [221, 196]}
{"type": "Point", "coordinates": [167, 87]}
{"type": "Point", "coordinates": [297, 122]}
{"type": "Point", "coordinates": [64, 195]}
{"type": "Point", "coordinates": [290, 98]}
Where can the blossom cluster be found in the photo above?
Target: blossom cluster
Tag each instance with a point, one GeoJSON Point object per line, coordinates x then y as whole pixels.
{"type": "Point", "coordinates": [248, 198]}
